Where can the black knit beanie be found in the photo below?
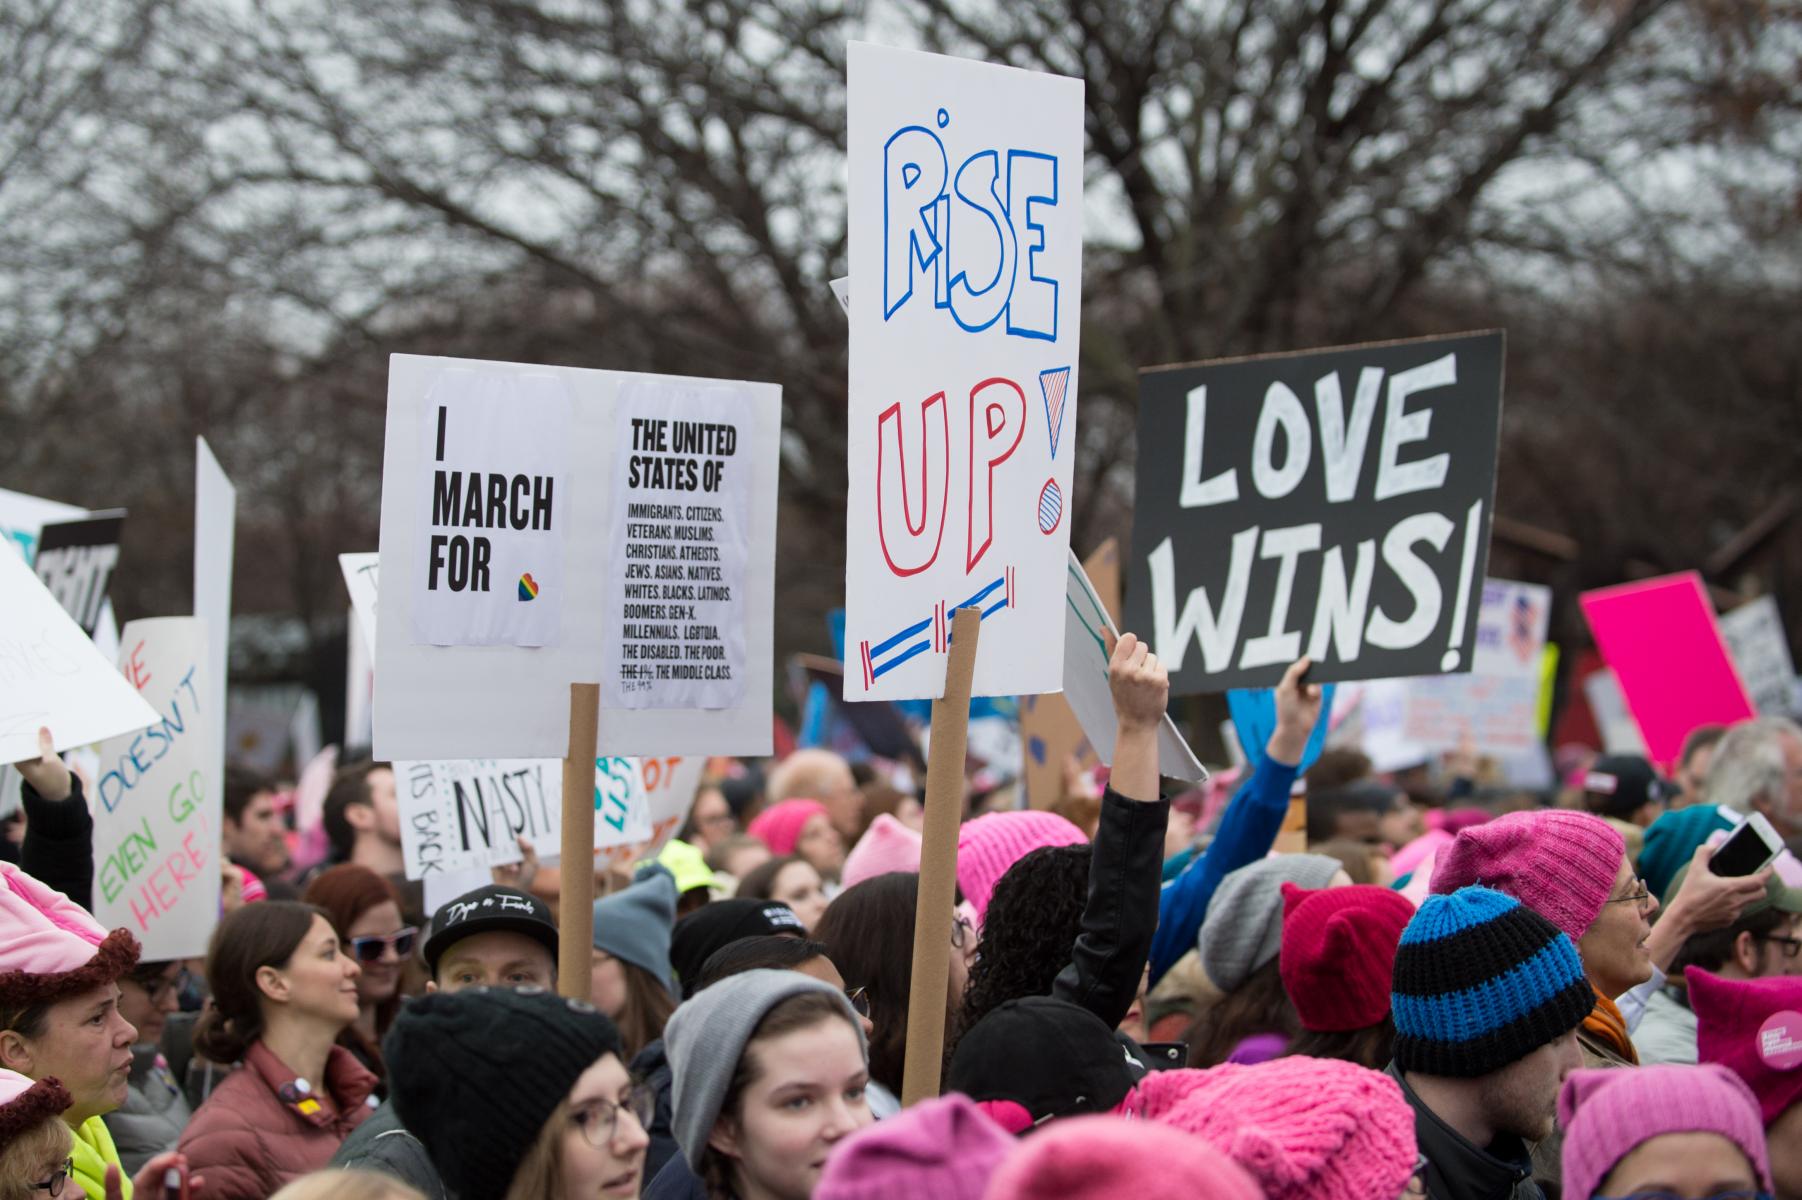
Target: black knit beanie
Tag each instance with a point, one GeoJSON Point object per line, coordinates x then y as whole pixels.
{"type": "Point", "coordinates": [475, 1074]}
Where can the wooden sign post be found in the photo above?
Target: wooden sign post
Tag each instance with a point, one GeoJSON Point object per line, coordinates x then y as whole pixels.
{"type": "Point", "coordinates": [938, 865]}
{"type": "Point", "coordinates": [575, 900]}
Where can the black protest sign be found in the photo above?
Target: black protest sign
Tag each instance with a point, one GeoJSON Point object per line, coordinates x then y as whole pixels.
{"type": "Point", "coordinates": [76, 559]}
{"type": "Point", "coordinates": [1334, 503]}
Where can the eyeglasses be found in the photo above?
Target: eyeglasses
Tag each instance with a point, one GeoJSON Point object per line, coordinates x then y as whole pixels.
{"type": "Point", "coordinates": [369, 949]}
{"type": "Point", "coordinates": [1639, 898]}
{"type": "Point", "coordinates": [54, 1184]}
{"type": "Point", "coordinates": [599, 1120]}
{"type": "Point", "coordinates": [961, 929]}
{"type": "Point", "coordinates": [158, 986]}
{"type": "Point", "coordinates": [860, 1000]}
{"type": "Point", "coordinates": [1791, 946]}
{"type": "Point", "coordinates": [1659, 1194]}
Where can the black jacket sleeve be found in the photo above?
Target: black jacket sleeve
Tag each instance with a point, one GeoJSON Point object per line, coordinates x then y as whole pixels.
{"type": "Point", "coordinates": [1121, 913]}
{"type": "Point", "coordinates": [59, 843]}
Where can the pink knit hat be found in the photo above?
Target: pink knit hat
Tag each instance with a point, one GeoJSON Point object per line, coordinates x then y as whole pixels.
{"type": "Point", "coordinates": [886, 846]}
{"type": "Point", "coordinates": [1337, 955]}
{"type": "Point", "coordinates": [1558, 863]}
{"type": "Point", "coordinates": [1304, 1128]}
{"type": "Point", "coordinates": [779, 825]}
{"type": "Point", "coordinates": [1753, 1027]}
{"type": "Point", "coordinates": [50, 947]}
{"type": "Point", "coordinates": [26, 1103]}
{"type": "Point", "coordinates": [1606, 1113]}
{"type": "Point", "coordinates": [989, 845]}
{"type": "Point", "coordinates": [939, 1148]}
{"type": "Point", "coordinates": [1103, 1158]}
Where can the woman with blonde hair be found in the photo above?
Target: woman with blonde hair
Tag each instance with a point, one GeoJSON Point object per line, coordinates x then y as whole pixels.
{"type": "Point", "coordinates": [34, 1141]}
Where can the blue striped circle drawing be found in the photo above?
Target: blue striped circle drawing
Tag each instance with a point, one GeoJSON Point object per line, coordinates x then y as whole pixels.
{"type": "Point", "coordinates": [1051, 506]}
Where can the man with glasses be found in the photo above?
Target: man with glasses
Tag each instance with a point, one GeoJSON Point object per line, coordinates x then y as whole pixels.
{"type": "Point", "coordinates": [155, 1109]}
{"type": "Point", "coordinates": [1765, 941]}
{"type": "Point", "coordinates": [491, 937]}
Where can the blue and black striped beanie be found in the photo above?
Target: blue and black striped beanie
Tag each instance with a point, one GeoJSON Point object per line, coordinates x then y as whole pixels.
{"type": "Point", "coordinates": [1482, 981]}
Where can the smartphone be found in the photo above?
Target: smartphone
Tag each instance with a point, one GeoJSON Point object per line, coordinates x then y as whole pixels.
{"type": "Point", "coordinates": [1750, 848]}
{"type": "Point", "coordinates": [175, 1183]}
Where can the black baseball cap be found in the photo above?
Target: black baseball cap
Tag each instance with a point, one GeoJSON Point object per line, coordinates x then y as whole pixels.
{"type": "Point", "coordinates": [1618, 785]}
{"type": "Point", "coordinates": [1049, 1057]}
{"type": "Point", "coordinates": [711, 926]}
{"type": "Point", "coordinates": [490, 909]}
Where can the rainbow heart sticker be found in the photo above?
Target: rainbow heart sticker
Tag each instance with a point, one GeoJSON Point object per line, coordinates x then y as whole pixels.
{"type": "Point", "coordinates": [528, 587]}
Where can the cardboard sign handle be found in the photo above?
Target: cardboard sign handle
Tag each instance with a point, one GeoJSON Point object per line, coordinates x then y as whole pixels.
{"type": "Point", "coordinates": [938, 865]}
{"type": "Point", "coordinates": [575, 900]}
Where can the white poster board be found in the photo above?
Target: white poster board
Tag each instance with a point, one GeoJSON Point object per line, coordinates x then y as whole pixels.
{"type": "Point", "coordinates": [508, 701]}
{"type": "Point", "coordinates": [215, 532]}
{"type": "Point", "coordinates": [157, 800]}
{"type": "Point", "coordinates": [1760, 649]}
{"type": "Point", "coordinates": [1086, 683]}
{"type": "Point", "coordinates": [51, 674]}
{"type": "Point", "coordinates": [362, 579]}
{"type": "Point", "coordinates": [1614, 720]}
{"type": "Point", "coordinates": [1497, 704]}
{"type": "Point", "coordinates": [966, 204]}
{"type": "Point", "coordinates": [468, 814]}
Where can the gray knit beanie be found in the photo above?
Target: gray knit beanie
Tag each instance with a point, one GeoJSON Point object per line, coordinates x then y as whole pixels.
{"type": "Point", "coordinates": [1244, 926]}
{"type": "Point", "coordinates": [707, 1036]}
{"type": "Point", "coordinates": [634, 925]}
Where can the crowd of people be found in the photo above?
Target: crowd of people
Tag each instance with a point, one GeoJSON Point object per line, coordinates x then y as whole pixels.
{"type": "Point", "coordinates": [1458, 991]}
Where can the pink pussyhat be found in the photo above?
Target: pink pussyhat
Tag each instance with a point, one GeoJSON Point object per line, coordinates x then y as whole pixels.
{"type": "Point", "coordinates": [1103, 1158]}
{"type": "Point", "coordinates": [1753, 1027]}
{"type": "Point", "coordinates": [1606, 1114]}
{"type": "Point", "coordinates": [50, 947]}
{"type": "Point", "coordinates": [886, 847]}
{"type": "Point", "coordinates": [1558, 863]}
{"type": "Point", "coordinates": [1303, 1128]}
{"type": "Point", "coordinates": [989, 845]}
{"type": "Point", "coordinates": [26, 1103]}
{"type": "Point", "coordinates": [944, 1148]}
{"type": "Point", "coordinates": [780, 825]}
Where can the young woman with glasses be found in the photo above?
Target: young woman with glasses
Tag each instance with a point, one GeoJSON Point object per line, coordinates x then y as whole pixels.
{"type": "Point", "coordinates": [365, 911]}
{"type": "Point", "coordinates": [519, 1094]}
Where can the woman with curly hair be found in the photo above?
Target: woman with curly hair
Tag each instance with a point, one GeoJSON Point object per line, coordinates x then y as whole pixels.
{"type": "Point", "coordinates": [1076, 922]}
{"type": "Point", "coordinates": [1034, 919]}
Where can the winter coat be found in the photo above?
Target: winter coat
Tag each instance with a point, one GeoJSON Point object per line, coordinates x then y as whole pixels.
{"type": "Point", "coordinates": [263, 1127]}
{"type": "Point", "coordinates": [154, 1113]}
{"type": "Point", "coordinates": [1458, 1170]}
{"type": "Point", "coordinates": [382, 1144]}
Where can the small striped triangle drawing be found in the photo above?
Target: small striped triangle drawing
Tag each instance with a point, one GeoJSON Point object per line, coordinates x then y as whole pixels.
{"type": "Point", "coordinates": [1053, 384]}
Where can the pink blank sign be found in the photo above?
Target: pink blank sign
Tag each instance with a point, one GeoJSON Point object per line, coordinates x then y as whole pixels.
{"type": "Point", "coordinates": [1661, 639]}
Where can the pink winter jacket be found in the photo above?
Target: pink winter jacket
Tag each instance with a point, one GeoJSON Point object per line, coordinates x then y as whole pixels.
{"type": "Point", "coordinates": [260, 1129]}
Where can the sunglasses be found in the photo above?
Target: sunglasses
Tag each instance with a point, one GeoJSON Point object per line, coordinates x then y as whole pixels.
{"type": "Point", "coordinates": [369, 948]}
